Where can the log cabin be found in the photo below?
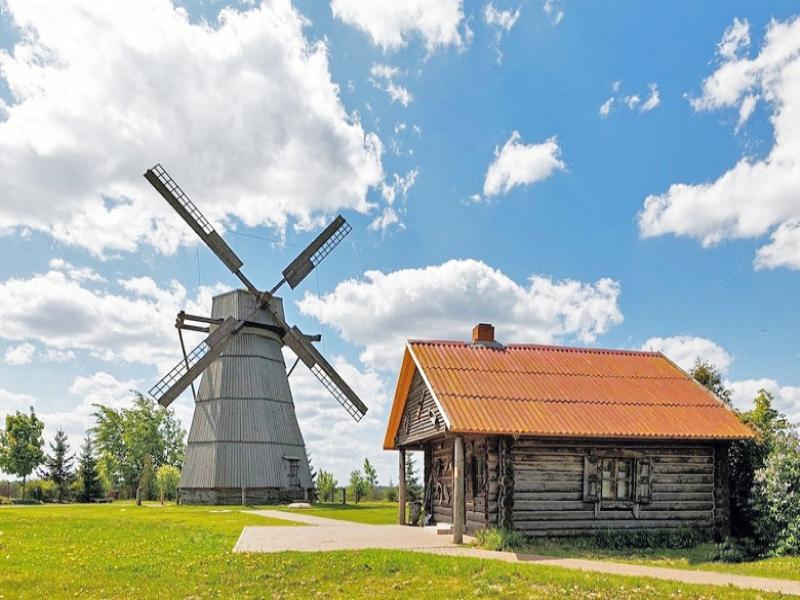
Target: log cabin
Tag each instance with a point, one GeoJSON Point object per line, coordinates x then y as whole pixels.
{"type": "Point", "coordinates": [556, 441]}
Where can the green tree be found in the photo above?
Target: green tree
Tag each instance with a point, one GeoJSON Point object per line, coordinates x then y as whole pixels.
{"type": "Point", "coordinates": [91, 487]}
{"type": "Point", "coordinates": [313, 490]}
{"type": "Point", "coordinates": [58, 466]}
{"type": "Point", "coordinates": [326, 486]}
{"type": "Point", "coordinates": [134, 442]}
{"type": "Point", "coordinates": [370, 478]}
{"type": "Point", "coordinates": [391, 492]}
{"type": "Point", "coordinates": [357, 486]}
{"type": "Point", "coordinates": [413, 487]}
{"type": "Point", "coordinates": [21, 445]}
{"type": "Point", "coordinates": [168, 477]}
{"type": "Point", "coordinates": [709, 376]}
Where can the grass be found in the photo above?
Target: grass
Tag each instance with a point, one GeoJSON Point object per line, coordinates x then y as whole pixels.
{"type": "Point", "coordinates": [124, 551]}
{"type": "Point", "coordinates": [700, 557]}
{"type": "Point", "coordinates": [371, 513]}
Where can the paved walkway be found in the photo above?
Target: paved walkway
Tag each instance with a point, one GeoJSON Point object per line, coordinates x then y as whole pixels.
{"type": "Point", "coordinates": [330, 534]}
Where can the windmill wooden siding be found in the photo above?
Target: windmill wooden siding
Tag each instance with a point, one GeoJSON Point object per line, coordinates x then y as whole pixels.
{"type": "Point", "coordinates": [650, 475]}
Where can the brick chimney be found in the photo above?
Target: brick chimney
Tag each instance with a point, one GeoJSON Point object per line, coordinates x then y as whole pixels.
{"type": "Point", "coordinates": [483, 334]}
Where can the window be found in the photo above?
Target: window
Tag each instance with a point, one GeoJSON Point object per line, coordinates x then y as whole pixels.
{"type": "Point", "coordinates": [617, 479]}
{"type": "Point", "coordinates": [477, 475]}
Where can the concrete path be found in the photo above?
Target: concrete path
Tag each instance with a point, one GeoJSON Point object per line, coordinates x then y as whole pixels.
{"type": "Point", "coordinates": [330, 534]}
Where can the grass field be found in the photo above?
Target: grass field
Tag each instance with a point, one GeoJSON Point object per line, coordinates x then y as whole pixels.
{"type": "Point", "coordinates": [123, 551]}
{"type": "Point", "coordinates": [700, 557]}
{"type": "Point", "coordinates": [372, 513]}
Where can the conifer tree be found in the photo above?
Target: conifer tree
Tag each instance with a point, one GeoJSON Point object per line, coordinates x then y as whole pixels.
{"type": "Point", "coordinates": [58, 466]}
{"type": "Point", "coordinates": [87, 471]}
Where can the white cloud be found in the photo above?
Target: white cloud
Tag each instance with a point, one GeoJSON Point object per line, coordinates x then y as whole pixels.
{"type": "Point", "coordinates": [11, 402]}
{"type": "Point", "coordinates": [634, 101]}
{"type": "Point", "coordinates": [653, 100]}
{"type": "Point", "coordinates": [755, 196]}
{"type": "Point", "coordinates": [553, 9]}
{"type": "Point", "coordinates": [787, 397]}
{"type": "Point", "coordinates": [521, 164]}
{"type": "Point", "coordinates": [390, 24]}
{"type": "Point", "coordinates": [381, 310]}
{"type": "Point", "coordinates": [67, 317]}
{"type": "Point", "coordinates": [233, 109]}
{"type": "Point", "coordinates": [21, 354]}
{"type": "Point", "coordinates": [391, 214]}
{"type": "Point", "coordinates": [605, 107]}
{"type": "Point", "coordinates": [82, 274]}
{"type": "Point", "coordinates": [685, 350]}
{"type": "Point", "coordinates": [502, 21]}
{"type": "Point", "coordinates": [383, 79]}
{"type": "Point", "coordinates": [735, 38]}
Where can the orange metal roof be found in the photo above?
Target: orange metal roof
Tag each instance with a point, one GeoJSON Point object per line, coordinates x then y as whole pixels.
{"type": "Point", "coordinates": [562, 392]}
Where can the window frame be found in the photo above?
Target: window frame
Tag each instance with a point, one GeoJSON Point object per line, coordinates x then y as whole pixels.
{"type": "Point", "coordinates": [640, 477]}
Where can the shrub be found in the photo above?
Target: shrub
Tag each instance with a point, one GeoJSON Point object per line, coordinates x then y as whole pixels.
{"type": "Point", "coordinates": [733, 550]}
{"type": "Point", "coordinates": [43, 490]}
{"type": "Point", "coordinates": [391, 494]}
{"type": "Point", "coordinates": [499, 539]}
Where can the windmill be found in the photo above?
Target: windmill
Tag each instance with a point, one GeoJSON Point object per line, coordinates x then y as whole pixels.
{"type": "Point", "coordinates": [245, 443]}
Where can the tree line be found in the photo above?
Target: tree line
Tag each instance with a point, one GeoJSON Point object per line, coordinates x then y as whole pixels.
{"type": "Point", "coordinates": [135, 452]}
{"type": "Point", "coordinates": [363, 484]}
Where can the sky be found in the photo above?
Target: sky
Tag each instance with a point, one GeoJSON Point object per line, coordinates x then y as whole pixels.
{"type": "Point", "coordinates": [620, 175]}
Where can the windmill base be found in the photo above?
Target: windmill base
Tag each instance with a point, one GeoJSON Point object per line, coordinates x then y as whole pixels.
{"type": "Point", "coordinates": [234, 495]}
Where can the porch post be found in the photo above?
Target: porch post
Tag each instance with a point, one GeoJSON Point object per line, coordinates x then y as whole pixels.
{"type": "Point", "coordinates": [458, 492]}
{"type": "Point", "coordinates": [401, 488]}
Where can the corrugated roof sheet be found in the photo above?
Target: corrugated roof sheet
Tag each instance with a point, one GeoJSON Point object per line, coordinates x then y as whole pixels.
{"type": "Point", "coordinates": [570, 392]}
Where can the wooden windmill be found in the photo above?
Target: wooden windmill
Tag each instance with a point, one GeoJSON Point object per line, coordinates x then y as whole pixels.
{"type": "Point", "coordinates": [245, 444]}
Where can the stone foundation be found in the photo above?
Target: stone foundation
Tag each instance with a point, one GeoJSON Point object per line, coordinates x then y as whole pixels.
{"type": "Point", "coordinates": [234, 496]}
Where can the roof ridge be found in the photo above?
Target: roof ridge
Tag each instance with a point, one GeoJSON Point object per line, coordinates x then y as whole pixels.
{"type": "Point", "coordinates": [549, 347]}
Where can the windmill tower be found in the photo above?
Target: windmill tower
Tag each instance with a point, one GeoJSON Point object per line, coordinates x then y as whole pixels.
{"type": "Point", "coordinates": [245, 444]}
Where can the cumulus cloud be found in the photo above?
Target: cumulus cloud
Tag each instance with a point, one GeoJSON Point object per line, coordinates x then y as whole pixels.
{"type": "Point", "coordinates": [787, 397]}
{"type": "Point", "coordinates": [383, 78]}
{"type": "Point", "coordinates": [11, 402]}
{"type": "Point", "coordinates": [502, 21]}
{"type": "Point", "coordinates": [755, 196]}
{"type": "Point", "coordinates": [66, 316]}
{"type": "Point", "coordinates": [685, 350]}
{"type": "Point", "coordinates": [391, 24]}
{"type": "Point", "coordinates": [382, 310]}
{"type": "Point", "coordinates": [517, 163]}
{"type": "Point", "coordinates": [235, 109]}
{"type": "Point", "coordinates": [21, 354]}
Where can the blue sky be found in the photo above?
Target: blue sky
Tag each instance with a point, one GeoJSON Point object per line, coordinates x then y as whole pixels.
{"type": "Point", "coordinates": [271, 147]}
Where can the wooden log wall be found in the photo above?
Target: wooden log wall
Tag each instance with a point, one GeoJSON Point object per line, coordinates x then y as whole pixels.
{"type": "Point", "coordinates": [442, 485]}
{"type": "Point", "coordinates": [548, 488]}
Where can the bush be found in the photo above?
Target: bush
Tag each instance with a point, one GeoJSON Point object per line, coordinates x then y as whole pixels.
{"type": "Point", "coordinates": [4, 500]}
{"type": "Point", "coordinates": [42, 490]}
{"type": "Point", "coordinates": [499, 539]}
{"type": "Point", "coordinates": [734, 550]}
{"type": "Point", "coordinates": [391, 494]}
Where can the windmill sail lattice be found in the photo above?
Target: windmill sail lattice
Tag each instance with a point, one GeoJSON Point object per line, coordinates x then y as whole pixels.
{"type": "Point", "coordinates": [245, 443]}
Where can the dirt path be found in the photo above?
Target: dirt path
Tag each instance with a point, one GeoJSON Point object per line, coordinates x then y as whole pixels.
{"type": "Point", "coordinates": [330, 534]}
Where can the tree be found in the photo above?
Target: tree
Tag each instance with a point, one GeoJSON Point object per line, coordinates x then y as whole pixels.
{"type": "Point", "coordinates": [312, 492]}
{"type": "Point", "coordinates": [91, 486]}
{"type": "Point", "coordinates": [21, 445]}
{"type": "Point", "coordinates": [370, 478]}
{"type": "Point", "coordinates": [326, 485]}
{"type": "Point", "coordinates": [710, 377]}
{"type": "Point", "coordinates": [167, 478]}
{"type": "Point", "coordinates": [391, 492]}
{"type": "Point", "coordinates": [357, 486]}
{"type": "Point", "coordinates": [134, 442]}
{"type": "Point", "coordinates": [58, 466]}
{"type": "Point", "coordinates": [413, 487]}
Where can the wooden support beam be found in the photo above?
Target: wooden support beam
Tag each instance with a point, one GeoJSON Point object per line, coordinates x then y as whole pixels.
{"type": "Point", "coordinates": [458, 492]}
{"type": "Point", "coordinates": [401, 488]}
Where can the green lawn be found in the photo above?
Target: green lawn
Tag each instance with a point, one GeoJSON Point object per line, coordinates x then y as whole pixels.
{"type": "Point", "coordinates": [123, 551]}
{"type": "Point", "coordinates": [372, 513]}
{"type": "Point", "coordinates": [700, 557]}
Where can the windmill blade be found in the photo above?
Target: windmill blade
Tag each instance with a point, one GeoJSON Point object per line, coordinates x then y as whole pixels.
{"type": "Point", "coordinates": [323, 371]}
{"type": "Point", "coordinates": [187, 370]}
{"type": "Point", "coordinates": [316, 251]}
{"type": "Point", "coordinates": [177, 199]}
